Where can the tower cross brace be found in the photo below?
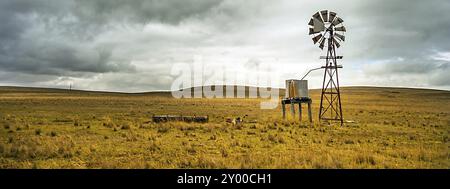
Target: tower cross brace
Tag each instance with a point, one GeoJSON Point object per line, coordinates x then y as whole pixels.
{"type": "Point", "coordinates": [330, 100]}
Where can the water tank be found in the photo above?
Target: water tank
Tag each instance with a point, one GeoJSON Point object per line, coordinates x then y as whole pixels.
{"type": "Point", "coordinates": [296, 88]}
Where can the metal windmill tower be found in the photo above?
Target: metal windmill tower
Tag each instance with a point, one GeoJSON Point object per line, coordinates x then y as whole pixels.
{"type": "Point", "coordinates": [328, 31]}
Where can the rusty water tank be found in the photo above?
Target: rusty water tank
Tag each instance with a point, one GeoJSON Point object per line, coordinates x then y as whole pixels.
{"type": "Point", "coordinates": [296, 88]}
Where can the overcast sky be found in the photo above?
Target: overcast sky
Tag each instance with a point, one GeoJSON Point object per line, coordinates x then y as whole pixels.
{"type": "Point", "coordinates": [131, 45]}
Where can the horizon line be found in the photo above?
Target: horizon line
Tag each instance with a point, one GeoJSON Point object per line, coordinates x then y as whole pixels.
{"type": "Point", "coordinates": [167, 91]}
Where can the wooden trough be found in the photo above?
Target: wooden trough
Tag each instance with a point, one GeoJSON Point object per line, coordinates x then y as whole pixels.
{"type": "Point", "coordinates": [167, 118]}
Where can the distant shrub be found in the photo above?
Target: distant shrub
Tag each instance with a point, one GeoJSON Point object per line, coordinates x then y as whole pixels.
{"type": "Point", "coordinates": [330, 140]}
{"type": "Point", "coordinates": [317, 141]}
{"type": "Point", "coordinates": [272, 138]}
{"type": "Point", "coordinates": [348, 141]}
{"type": "Point", "coordinates": [224, 152]}
{"type": "Point", "coordinates": [37, 132]}
{"type": "Point", "coordinates": [126, 127]}
{"type": "Point", "coordinates": [246, 145]}
{"type": "Point", "coordinates": [62, 120]}
{"type": "Point", "coordinates": [108, 124]}
{"type": "Point", "coordinates": [163, 129]}
{"type": "Point", "coordinates": [53, 134]}
{"type": "Point", "coordinates": [3, 148]}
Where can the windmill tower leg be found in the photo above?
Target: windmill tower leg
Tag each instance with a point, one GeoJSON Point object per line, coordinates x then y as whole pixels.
{"type": "Point", "coordinates": [339, 103]}
{"type": "Point", "coordinates": [330, 100]}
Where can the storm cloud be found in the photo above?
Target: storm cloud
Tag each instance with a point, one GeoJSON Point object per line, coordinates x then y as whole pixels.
{"type": "Point", "coordinates": [131, 46]}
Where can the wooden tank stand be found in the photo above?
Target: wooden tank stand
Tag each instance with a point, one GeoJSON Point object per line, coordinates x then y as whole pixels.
{"type": "Point", "coordinates": [299, 101]}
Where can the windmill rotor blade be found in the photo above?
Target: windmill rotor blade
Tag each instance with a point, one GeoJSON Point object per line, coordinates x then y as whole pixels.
{"type": "Point", "coordinates": [336, 43]}
{"type": "Point", "coordinates": [318, 30]}
{"type": "Point", "coordinates": [332, 16]}
{"type": "Point", "coordinates": [337, 21]}
{"type": "Point", "coordinates": [317, 38]}
{"type": "Point", "coordinates": [322, 43]}
{"type": "Point", "coordinates": [324, 14]}
{"type": "Point", "coordinates": [342, 28]}
{"type": "Point", "coordinates": [318, 25]}
{"type": "Point", "coordinates": [311, 22]}
{"type": "Point", "coordinates": [341, 37]}
{"type": "Point", "coordinates": [311, 31]}
{"type": "Point", "coordinates": [317, 16]}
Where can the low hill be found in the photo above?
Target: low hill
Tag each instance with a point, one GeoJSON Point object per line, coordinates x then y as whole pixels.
{"type": "Point", "coordinates": [247, 90]}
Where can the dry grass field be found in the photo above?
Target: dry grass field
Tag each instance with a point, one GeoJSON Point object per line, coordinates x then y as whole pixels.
{"type": "Point", "coordinates": [50, 128]}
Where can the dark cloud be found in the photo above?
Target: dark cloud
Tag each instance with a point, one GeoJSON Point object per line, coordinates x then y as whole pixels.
{"type": "Point", "coordinates": [143, 11]}
{"type": "Point", "coordinates": [405, 28]}
{"type": "Point", "coordinates": [419, 72]}
{"type": "Point", "coordinates": [57, 37]}
{"type": "Point", "coordinates": [130, 45]}
{"type": "Point", "coordinates": [59, 58]}
{"type": "Point", "coordinates": [404, 37]}
{"type": "Point", "coordinates": [402, 66]}
{"type": "Point", "coordinates": [36, 39]}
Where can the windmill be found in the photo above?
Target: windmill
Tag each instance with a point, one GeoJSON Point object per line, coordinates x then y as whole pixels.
{"type": "Point", "coordinates": [328, 32]}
